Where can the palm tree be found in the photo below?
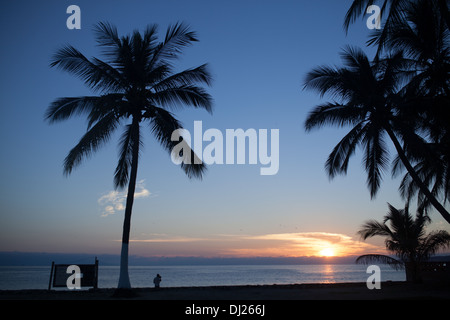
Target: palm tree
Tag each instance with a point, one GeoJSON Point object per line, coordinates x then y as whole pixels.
{"type": "Point", "coordinates": [423, 36]}
{"type": "Point", "coordinates": [371, 100]}
{"type": "Point", "coordinates": [136, 84]}
{"type": "Point", "coordinates": [406, 238]}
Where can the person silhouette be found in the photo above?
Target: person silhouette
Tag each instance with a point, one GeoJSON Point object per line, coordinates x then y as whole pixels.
{"type": "Point", "coordinates": [157, 280]}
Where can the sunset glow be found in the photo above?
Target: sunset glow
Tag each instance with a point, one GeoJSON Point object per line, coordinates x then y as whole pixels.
{"type": "Point", "coordinates": [327, 252]}
{"type": "Point", "coordinates": [309, 244]}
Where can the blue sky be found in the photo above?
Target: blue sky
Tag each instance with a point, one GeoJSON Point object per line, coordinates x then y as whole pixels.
{"type": "Point", "coordinates": [259, 53]}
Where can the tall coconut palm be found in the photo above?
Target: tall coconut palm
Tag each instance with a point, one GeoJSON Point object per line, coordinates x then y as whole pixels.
{"type": "Point", "coordinates": [423, 35]}
{"type": "Point", "coordinates": [137, 84]}
{"type": "Point", "coordinates": [406, 238]}
{"type": "Point", "coordinates": [370, 100]}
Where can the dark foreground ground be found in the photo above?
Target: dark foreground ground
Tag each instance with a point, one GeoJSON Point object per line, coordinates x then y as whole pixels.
{"type": "Point", "coordinates": [341, 291]}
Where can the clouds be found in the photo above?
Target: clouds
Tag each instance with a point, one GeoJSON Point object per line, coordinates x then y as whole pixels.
{"type": "Point", "coordinates": [266, 245]}
{"type": "Point", "coordinates": [305, 244]}
{"type": "Point", "coordinates": [114, 200]}
{"type": "Point", "coordinates": [164, 238]}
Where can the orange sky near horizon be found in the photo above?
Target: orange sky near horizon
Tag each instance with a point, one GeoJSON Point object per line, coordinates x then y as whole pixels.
{"type": "Point", "coordinates": [308, 244]}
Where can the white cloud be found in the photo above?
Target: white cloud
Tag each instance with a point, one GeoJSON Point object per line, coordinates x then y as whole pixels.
{"type": "Point", "coordinates": [114, 201]}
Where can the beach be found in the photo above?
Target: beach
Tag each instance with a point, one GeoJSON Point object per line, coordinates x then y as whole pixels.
{"type": "Point", "coordinates": [335, 291]}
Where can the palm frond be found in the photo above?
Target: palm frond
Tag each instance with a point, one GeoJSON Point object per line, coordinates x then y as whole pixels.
{"type": "Point", "coordinates": [394, 73]}
{"type": "Point", "coordinates": [157, 74]}
{"type": "Point", "coordinates": [355, 59]}
{"type": "Point", "coordinates": [399, 219]}
{"type": "Point", "coordinates": [150, 35]}
{"type": "Point", "coordinates": [373, 228]}
{"type": "Point", "coordinates": [64, 108]}
{"type": "Point", "coordinates": [376, 158]}
{"type": "Point", "coordinates": [397, 167]}
{"type": "Point", "coordinates": [195, 169]}
{"type": "Point", "coordinates": [396, 14]}
{"type": "Point", "coordinates": [357, 8]}
{"type": "Point", "coordinates": [433, 242]}
{"type": "Point", "coordinates": [183, 95]}
{"type": "Point", "coordinates": [407, 187]}
{"type": "Point", "coordinates": [109, 41]}
{"type": "Point", "coordinates": [420, 222]}
{"type": "Point", "coordinates": [95, 107]}
{"type": "Point", "coordinates": [163, 124]}
{"type": "Point", "coordinates": [105, 104]}
{"type": "Point", "coordinates": [107, 35]}
{"type": "Point", "coordinates": [92, 140]}
{"type": "Point", "coordinates": [187, 77]}
{"type": "Point", "coordinates": [97, 74]}
{"type": "Point", "coordinates": [325, 79]}
{"type": "Point", "coordinates": [355, 81]}
{"type": "Point", "coordinates": [177, 37]}
{"type": "Point", "coordinates": [113, 81]}
{"type": "Point", "coordinates": [334, 114]}
{"type": "Point", "coordinates": [337, 162]}
{"type": "Point", "coordinates": [379, 258]}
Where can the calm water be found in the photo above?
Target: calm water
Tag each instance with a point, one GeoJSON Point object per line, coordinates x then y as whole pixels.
{"type": "Point", "coordinates": [180, 276]}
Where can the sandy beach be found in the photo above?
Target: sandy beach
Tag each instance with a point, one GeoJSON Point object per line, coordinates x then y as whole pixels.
{"type": "Point", "coordinates": [340, 291]}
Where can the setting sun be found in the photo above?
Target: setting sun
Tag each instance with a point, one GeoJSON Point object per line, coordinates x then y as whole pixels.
{"type": "Point", "coordinates": [327, 252]}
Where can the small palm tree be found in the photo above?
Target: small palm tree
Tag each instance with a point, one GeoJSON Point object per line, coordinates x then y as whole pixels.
{"type": "Point", "coordinates": [406, 238]}
{"type": "Point", "coordinates": [137, 85]}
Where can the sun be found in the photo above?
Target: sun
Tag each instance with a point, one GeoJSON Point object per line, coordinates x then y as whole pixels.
{"type": "Point", "coordinates": [327, 252]}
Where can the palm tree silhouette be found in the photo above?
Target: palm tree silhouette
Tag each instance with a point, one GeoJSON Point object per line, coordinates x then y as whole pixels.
{"type": "Point", "coordinates": [406, 238]}
{"type": "Point", "coordinates": [423, 37]}
{"type": "Point", "coordinates": [371, 101]}
{"type": "Point", "coordinates": [137, 84]}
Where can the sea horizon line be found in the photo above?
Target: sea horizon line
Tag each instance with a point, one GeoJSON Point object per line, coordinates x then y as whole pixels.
{"type": "Point", "coordinates": [19, 258]}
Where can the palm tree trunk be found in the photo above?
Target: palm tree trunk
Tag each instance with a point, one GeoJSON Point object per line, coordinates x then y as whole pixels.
{"type": "Point", "coordinates": [412, 272]}
{"type": "Point", "coordinates": [124, 279]}
{"type": "Point", "coordinates": [401, 153]}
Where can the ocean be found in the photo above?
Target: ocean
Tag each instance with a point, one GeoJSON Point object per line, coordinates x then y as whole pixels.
{"type": "Point", "coordinates": [28, 277]}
